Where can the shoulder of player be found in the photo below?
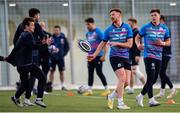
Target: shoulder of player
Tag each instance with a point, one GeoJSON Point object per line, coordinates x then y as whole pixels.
{"type": "Point", "coordinates": [25, 33]}
{"type": "Point", "coordinates": [147, 25]}
{"type": "Point", "coordinates": [26, 36]}
{"type": "Point", "coordinates": [20, 28]}
{"type": "Point", "coordinates": [110, 27]}
{"type": "Point", "coordinates": [164, 26]}
{"type": "Point", "coordinates": [127, 26]}
{"type": "Point", "coordinates": [37, 24]}
{"type": "Point", "coordinates": [62, 35]}
{"type": "Point", "coordinates": [98, 30]}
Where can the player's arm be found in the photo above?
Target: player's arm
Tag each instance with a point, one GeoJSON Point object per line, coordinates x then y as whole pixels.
{"type": "Point", "coordinates": [11, 57]}
{"type": "Point", "coordinates": [66, 48]}
{"type": "Point", "coordinates": [127, 44]}
{"type": "Point", "coordinates": [104, 37]}
{"type": "Point", "coordinates": [40, 32]}
{"type": "Point", "coordinates": [138, 39]}
{"type": "Point", "coordinates": [99, 48]}
{"type": "Point", "coordinates": [17, 46]}
{"type": "Point", "coordinates": [105, 49]}
{"type": "Point", "coordinates": [167, 42]}
{"type": "Point", "coordinates": [18, 32]}
{"type": "Point", "coordinates": [139, 36]}
{"type": "Point", "coordinates": [140, 46]}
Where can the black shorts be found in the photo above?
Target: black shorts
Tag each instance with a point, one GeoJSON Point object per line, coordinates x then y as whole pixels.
{"type": "Point", "coordinates": [59, 62]}
{"type": "Point", "coordinates": [118, 62]}
{"type": "Point", "coordinates": [133, 62]}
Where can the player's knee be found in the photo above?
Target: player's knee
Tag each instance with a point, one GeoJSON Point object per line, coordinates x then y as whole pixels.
{"type": "Point", "coordinates": [162, 74]}
{"type": "Point", "coordinates": [138, 73]}
{"type": "Point", "coordinates": [127, 83]}
{"type": "Point", "coordinates": [122, 79]}
{"type": "Point", "coordinates": [99, 73]}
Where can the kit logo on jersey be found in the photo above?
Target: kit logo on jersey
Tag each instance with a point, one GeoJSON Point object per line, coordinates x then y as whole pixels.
{"type": "Point", "coordinates": [123, 29]}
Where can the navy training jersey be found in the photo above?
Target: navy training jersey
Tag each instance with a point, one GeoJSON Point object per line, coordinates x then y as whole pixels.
{"type": "Point", "coordinates": [151, 34]}
{"type": "Point", "coordinates": [134, 51]}
{"type": "Point", "coordinates": [118, 34]}
{"type": "Point", "coordinates": [94, 37]}
{"type": "Point", "coordinates": [167, 50]}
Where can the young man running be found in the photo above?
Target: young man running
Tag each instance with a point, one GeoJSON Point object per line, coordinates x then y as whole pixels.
{"type": "Point", "coordinates": [134, 55]}
{"type": "Point", "coordinates": [22, 56]}
{"type": "Point", "coordinates": [166, 56]}
{"type": "Point", "coordinates": [156, 36]}
{"type": "Point", "coordinates": [94, 36]}
{"type": "Point", "coordinates": [120, 36]}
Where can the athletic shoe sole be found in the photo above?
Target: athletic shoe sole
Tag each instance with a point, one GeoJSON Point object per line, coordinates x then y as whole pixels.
{"type": "Point", "coordinates": [40, 105]}
{"type": "Point", "coordinates": [153, 105]}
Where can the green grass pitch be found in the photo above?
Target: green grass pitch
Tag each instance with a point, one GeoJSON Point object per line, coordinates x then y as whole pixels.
{"type": "Point", "coordinates": [58, 101]}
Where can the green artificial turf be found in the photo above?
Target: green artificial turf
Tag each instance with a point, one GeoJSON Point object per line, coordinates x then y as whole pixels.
{"type": "Point", "coordinates": [58, 101]}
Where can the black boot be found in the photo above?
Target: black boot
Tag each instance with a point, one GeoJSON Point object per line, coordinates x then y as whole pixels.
{"type": "Point", "coordinates": [49, 87]}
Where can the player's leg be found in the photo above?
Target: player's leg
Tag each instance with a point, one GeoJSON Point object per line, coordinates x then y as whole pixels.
{"type": "Point", "coordinates": [127, 67]}
{"type": "Point", "coordinates": [45, 69]}
{"type": "Point", "coordinates": [51, 75]}
{"type": "Point", "coordinates": [38, 73]}
{"type": "Point", "coordinates": [118, 67]}
{"type": "Point", "coordinates": [99, 66]}
{"type": "Point", "coordinates": [61, 67]}
{"type": "Point", "coordinates": [91, 67]}
{"type": "Point", "coordinates": [122, 81]}
{"type": "Point", "coordinates": [29, 90]}
{"type": "Point", "coordinates": [152, 101]}
{"type": "Point", "coordinates": [150, 71]}
{"type": "Point", "coordinates": [139, 74]}
{"type": "Point", "coordinates": [131, 89]}
{"type": "Point", "coordinates": [45, 66]}
{"type": "Point", "coordinates": [165, 79]}
{"type": "Point", "coordinates": [24, 77]}
{"type": "Point", "coordinates": [52, 70]}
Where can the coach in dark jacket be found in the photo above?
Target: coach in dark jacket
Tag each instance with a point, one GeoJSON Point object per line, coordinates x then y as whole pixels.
{"type": "Point", "coordinates": [60, 42]}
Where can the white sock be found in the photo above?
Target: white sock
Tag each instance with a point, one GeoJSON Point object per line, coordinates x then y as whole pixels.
{"type": "Point", "coordinates": [15, 98]}
{"type": "Point", "coordinates": [89, 88]}
{"type": "Point", "coordinates": [140, 95]}
{"type": "Point", "coordinates": [26, 99]}
{"type": "Point", "coordinates": [105, 87]}
{"type": "Point", "coordinates": [113, 94]}
{"type": "Point", "coordinates": [151, 99]}
{"type": "Point", "coordinates": [62, 84]}
{"type": "Point", "coordinates": [131, 88]}
{"type": "Point", "coordinates": [162, 91]}
{"type": "Point", "coordinates": [172, 89]}
{"type": "Point", "coordinates": [38, 99]}
{"type": "Point", "coordinates": [120, 101]}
